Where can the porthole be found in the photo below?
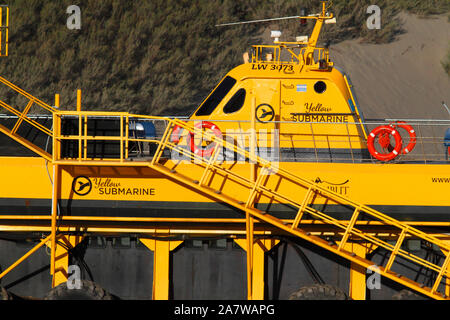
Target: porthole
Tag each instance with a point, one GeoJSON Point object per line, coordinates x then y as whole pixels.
{"type": "Point", "coordinates": [320, 87]}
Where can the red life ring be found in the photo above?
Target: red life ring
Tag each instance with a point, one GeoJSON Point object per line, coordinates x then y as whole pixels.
{"type": "Point", "coordinates": [209, 149]}
{"type": "Point", "coordinates": [384, 140]}
{"type": "Point", "coordinates": [412, 135]}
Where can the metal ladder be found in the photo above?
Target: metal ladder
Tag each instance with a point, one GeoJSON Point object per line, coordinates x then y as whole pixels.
{"type": "Point", "coordinates": [23, 117]}
{"type": "Point", "coordinates": [347, 230]}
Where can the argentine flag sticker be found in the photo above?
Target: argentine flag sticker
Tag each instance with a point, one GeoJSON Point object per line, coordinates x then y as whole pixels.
{"type": "Point", "coordinates": [302, 87]}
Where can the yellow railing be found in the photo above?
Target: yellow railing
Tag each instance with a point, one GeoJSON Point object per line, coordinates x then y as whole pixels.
{"type": "Point", "coordinates": [260, 187]}
{"type": "Point", "coordinates": [23, 117]}
{"type": "Point", "coordinates": [298, 55]}
{"type": "Point", "coordinates": [4, 30]}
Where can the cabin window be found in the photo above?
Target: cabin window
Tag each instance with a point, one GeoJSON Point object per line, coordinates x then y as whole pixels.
{"type": "Point", "coordinates": [236, 102]}
{"type": "Point", "coordinates": [320, 87]}
{"type": "Point", "coordinates": [216, 97]}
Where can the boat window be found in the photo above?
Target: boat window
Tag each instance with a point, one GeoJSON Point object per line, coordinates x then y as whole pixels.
{"type": "Point", "coordinates": [236, 102]}
{"type": "Point", "coordinates": [216, 97]}
{"type": "Point", "coordinates": [320, 87]}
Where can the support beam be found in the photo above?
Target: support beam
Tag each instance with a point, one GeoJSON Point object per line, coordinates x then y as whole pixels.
{"type": "Point", "coordinates": [260, 247]}
{"type": "Point", "coordinates": [79, 100]}
{"type": "Point", "coordinates": [357, 287]}
{"type": "Point", "coordinates": [55, 197]}
{"type": "Point", "coordinates": [60, 274]}
{"type": "Point", "coordinates": [161, 266]}
{"type": "Point", "coordinates": [447, 279]}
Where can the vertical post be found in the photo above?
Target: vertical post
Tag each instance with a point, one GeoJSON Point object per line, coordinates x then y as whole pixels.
{"type": "Point", "coordinates": [1, 28]}
{"type": "Point", "coordinates": [85, 131]}
{"type": "Point", "coordinates": [249, 218]}
{"type": "Point", "coordinates": [260, 247]}
{"type": "Point", "coordinates": [161, 266]}
{"type": "Point", "coordinates": [121, 139]}
{"type": "Point", "coordinates": [57, 100]}
{"type": "Point", "coordinates": [7, 31]}
{"type": "Point", "coordinates": [357, 286]}
{"type": "Point", "coordinates": [127, 132]}
{"type": "Point", "coordinates": [80, 135]}
{"type": "Point", "coordinates": [447, 283]}
{"type": "Point", "coordinates": [78, 100]}
{"type": "Point", "coordinates": [250, 256]}
{"type": "Point", "coordinates": [253, 164]}
{"type": "Point", "coordinates": [447, 279]}
{"type": "Point", "coordinates": [55, 154]}
{"type": "Point", "coordinates": [62, 259]}
{"type": "Point", "coordinates": [55, 194]}
{"type": "Point", "coordinates": [56, 136]}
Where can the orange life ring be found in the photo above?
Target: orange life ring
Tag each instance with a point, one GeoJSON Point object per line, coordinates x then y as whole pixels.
{"type": "Point", "coordinates": [412, 136]}
{"type": "Point", "coordinates": [209, 149]}
{"type": "Point", "coordinates": [384, 133]}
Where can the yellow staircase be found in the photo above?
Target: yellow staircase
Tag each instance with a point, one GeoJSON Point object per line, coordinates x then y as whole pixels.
{"type": "Point", "coordinates": [258, 185]}
{"type": "Point", "coordinates": [23, 117]}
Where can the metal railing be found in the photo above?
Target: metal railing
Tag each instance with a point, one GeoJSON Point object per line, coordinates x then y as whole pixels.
{"type": "Point", "coordinates": [282, 53]}
{"type": "Point", "coordinates": [267, 175]}
{"type": "Point", "coordinates": [288, 141]}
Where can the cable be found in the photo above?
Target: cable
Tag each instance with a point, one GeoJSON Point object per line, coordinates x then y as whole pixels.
{"type": "Point", "coordinates": [78, 256]}
{"type": "Point", "coordinates": [306, 262]}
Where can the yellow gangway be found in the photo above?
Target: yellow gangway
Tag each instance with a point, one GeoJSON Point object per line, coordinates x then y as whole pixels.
{"type": "Point", "coordinates": [262, 187]}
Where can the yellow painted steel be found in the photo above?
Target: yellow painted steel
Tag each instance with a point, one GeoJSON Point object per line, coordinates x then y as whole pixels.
{"type": "Point", "coordinates": [367, 182]}
{"type": "Point", "coordinates": [161, 265]}
{"type": "Point", "coordinates": [25, 256]}
{"type": "Point", "coordinates": [78, 100]}
{"type": "Point", "coordinates": [4, 30]}
{"type": "Point", "coordinates": [61, 261]}
{"type": "Point", "coordinates": [305, 117]}
{"type": "Point", "coordinates": [256, 271]}
{"type": "Point", "coordinates": [357, 290]}
{"type": "Point", "coordinates": [55, 197]}
{"type": "Point", "coordinates": [262, 188]}
{"type": "Point", "coordinates": [57, 100]}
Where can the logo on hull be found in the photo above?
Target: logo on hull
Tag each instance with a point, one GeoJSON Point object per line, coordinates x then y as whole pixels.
{"type": "Point", "coordinates": [82, 185]}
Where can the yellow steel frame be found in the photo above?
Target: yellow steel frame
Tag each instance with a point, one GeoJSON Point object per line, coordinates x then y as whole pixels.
{"type": "Point", "coordinates": [161, 265]}
{"type": "Point", "coordinates": [349, 233]}
{"type": "Point", "coordinates": [4, 30]}
{"type": "Point", "coordinates": [256, 187]}
{"type": "Point", "coordinates": [255, 264]}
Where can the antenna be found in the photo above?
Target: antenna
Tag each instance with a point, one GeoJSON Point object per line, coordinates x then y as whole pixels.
{"type": "Point", "coordinates": [322, 15]}
{"type": "Point", "coordinates": [257, 21]}
{"type": "Point", "coordinates": [446, 107]}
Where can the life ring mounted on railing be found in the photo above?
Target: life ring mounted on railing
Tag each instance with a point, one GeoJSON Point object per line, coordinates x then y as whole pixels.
{"type": "Point", "coordinates": [199, 150]}
{"type": "Point", "coordinates": [412, 135]}
{"type": "Point", "coordinates": [383, 133]}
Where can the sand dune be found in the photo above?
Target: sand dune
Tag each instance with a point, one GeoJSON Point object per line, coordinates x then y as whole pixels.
{"type": "Point", "coordinates": [402, 79]}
